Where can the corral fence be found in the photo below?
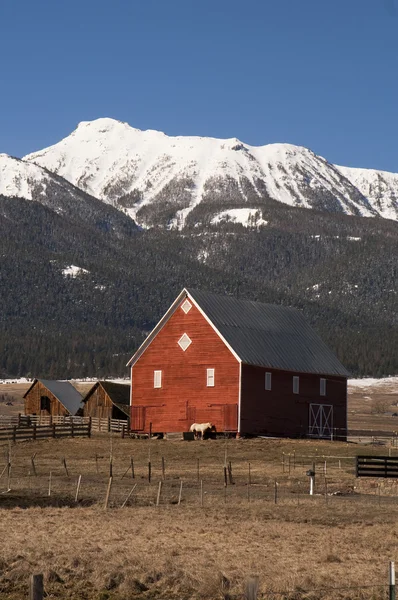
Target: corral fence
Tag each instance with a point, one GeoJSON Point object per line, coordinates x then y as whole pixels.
{"type": "Point", "coordinates": [96, 424]}
{"type": "Point", "coordinates": [40, 432]}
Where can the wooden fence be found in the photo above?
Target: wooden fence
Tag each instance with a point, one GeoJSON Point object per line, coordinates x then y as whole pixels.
{"type": "Point", "coordinates": [39, 432]}
{"type": "Point", "coordinates": [96, 424]}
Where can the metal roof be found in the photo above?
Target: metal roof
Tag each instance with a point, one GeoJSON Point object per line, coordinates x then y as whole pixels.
{"type": "Point", "coordinates": [268, 335]}
{"type": "Point", "coordinates": [119, 393]}
{"type": "Point", "coordinates": [66, 394]}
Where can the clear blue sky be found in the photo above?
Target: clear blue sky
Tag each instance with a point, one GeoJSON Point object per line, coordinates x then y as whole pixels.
{"type": "Point", "coordinates": [318, 73]}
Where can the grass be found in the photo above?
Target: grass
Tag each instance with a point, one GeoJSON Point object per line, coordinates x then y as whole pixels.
{"type": "Point", "coordinates": [300, 544]}
{"type": "Point", "coordinates": [343, 537]}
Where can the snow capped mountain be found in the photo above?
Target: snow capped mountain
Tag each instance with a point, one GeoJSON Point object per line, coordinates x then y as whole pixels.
{"type": "Point", "coordinates": [21, 179]}
{"type": "Point", "coordinates": [173, 181]}
{"type": "Point", "coordinates": [381, 187]}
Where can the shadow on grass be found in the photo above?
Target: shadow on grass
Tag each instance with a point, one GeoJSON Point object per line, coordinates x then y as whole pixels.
{"type": "Point", "coordinates": [8, 501]}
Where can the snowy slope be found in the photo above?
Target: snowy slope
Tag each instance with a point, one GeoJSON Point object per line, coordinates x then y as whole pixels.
{"type": "Point", "coordinates": [380, 186]}
{"type": "Point", "coordinates": [21, 179]}
{"type": "Point", "coordinates": [159, 179]}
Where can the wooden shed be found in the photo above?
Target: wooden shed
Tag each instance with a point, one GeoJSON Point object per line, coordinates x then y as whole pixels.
{"type": "Point", "coordinates": [107, 400]}
{"type": "Point", "coordinates": [48, 397]}
{"type": "Point", "coordinates": [247, 367]}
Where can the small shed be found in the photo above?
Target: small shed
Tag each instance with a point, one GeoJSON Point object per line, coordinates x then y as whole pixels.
{"type": "Point", "coordinates": [56, 398]}
{"type": "Point", "coordinates": [107, 400]}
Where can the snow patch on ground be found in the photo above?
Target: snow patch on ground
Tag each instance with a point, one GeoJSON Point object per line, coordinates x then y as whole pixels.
{"type": "Point", "coordinates": [248, 217]}
{"type": "Point", "coordinates": [367, 382]}
{"type": "Point", "coordinates": [73, 271]}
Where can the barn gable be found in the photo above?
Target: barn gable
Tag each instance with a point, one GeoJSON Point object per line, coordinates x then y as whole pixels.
{"type": "Point", "coordinates": [61, 391]}
{"type": "Point", "coordinates": [103, 396]}
{"type": "Point", "coordinates": [258, 334]}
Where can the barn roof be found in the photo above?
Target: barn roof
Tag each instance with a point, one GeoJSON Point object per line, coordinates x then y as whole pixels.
{"type": "Point", "coordinates": [263, 335]}
{"type": "Point", "coordinates": [119, 393]}
{"type": "Point", "coordinates": [64, 392]}
{"type": "Point", "coordinates": [268, 335]}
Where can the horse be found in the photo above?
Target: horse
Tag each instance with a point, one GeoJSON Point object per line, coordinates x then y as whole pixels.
{"type": "Point", "coordinates": [200, 429]}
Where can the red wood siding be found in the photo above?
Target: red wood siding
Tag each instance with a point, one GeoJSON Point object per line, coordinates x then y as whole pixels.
{"type": "Point", "coordinates": [279, 411]}
{"type": "Point", "coordinates": [184, 397]}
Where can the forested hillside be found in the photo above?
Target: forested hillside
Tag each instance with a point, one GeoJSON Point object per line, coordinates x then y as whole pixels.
{"type": "Point", "coordinates": [340, 270]}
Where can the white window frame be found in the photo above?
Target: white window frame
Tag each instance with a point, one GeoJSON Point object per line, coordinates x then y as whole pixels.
{"type": "Point", "coordinates": [157, 379]}
{"type": "Point", "coordinates": [268, 381]}
{"type": "Point", "coordinates": [184, 342]}
{"type": "Point", "coordinates": [186, 306]}
{"type": "Point", "coordinates": [210, 377]}
{"type": "Point", "coordinates": [296, 384]}
{"type": "Point", "coordinates": [322, 386]}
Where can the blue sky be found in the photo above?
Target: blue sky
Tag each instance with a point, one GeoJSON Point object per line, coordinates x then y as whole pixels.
{"type": "Point", "coordinates": [309, 72]}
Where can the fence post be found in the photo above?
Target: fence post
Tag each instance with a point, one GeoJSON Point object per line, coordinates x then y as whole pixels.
{"type": "Point", "coordinates": [180, 494]}
{"type": "Point", "coordinates": [159, 492]}
{"type": "Point", "coordinates": [34, 431]}
{"type": "Point", "coordinates": [392, 580]}
{"type": "Point", "coordinates": [54, 426]}
{"type": "Point", "coordinates": [78, 488]}
{"type": "Point", "coordinates": [73, 431]}
{"type": "Point", "coordinates": [36, 587]}
{"type": "Point", "coordinates": [108, 492]}
{"type": "Point", "coordinates": [89, 427]}
{"type": "Point", "coordinates": [251, 588]}
{"type": "Point", "coordinates": [14, 434]}
{"type": "Point", "coordinates": [109, 424]}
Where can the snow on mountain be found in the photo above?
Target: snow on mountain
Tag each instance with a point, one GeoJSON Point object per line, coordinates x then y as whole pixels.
{"type": "Point", "coordinates": [73, 271]}
{"type": "Point", "coordinates": [248, 217]}
{"type": "Point", "coordinates": [381, 187]}
{"type": "Point", "coordinates": [170, 181]}
{"type": "Point", "coordinates": [18, 178]}
{"type": "Point", "coordinates": [21, 179]}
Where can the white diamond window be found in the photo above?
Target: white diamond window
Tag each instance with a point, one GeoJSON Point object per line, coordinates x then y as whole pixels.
{"type": "Point", "coordinates": [184, 342]}
{"type": "Point", "coordinates": [186, 306]}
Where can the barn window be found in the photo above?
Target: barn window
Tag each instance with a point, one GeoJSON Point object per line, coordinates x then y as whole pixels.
{"type": "Point", "coordinates": [45, 403]}
{"type": "Point", "coordinates": [322, 387]}
{"type": "Point", "coordinates": [186, 306]}
{"type": "Point", "coordinates": [268, 381]}
{"type": "Point", "coordinates": [210, 377]}
{"type": "Point", "coordinates": [184, 342]}
{"type": "Point", "coordinates": [296, 384]}
{"type": "Point", "coordinates": [157, 379]}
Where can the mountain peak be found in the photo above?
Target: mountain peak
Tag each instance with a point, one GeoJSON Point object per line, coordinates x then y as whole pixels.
{"type": "Point", "coordinates": [161, 180]}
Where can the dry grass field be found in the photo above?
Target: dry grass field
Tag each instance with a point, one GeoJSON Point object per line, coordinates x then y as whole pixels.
{"type": "Point", "coordinates": [333, 545]}
{"type": "Point", "coordinates": [299, 547]}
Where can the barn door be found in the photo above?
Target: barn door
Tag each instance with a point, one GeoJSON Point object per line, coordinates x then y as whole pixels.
{"type": "Point", "coordinates": [230, 417]}
{"type": "Point", "coordinates": [321, 421]}
{"type": "Point", "coordinates": [191, 414]}
{"type": "Point", "coordinates": [138, 418]}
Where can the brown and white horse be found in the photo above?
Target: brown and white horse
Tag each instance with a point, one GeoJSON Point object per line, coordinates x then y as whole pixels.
{"type": "Point", "coordinates": [199, 429]}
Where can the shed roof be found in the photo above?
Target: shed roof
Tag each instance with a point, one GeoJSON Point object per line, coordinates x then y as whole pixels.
{"type": "Point", "coordinates": [268, 335]}
{"type": "Point", "coordinates": [64, 392]}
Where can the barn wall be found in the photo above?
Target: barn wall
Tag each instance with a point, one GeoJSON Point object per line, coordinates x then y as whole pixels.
{"type": "Point", "coordinates": [184, 397]}
{"type": "Point", "coordinates": [98, 404]}
{"type": "Point", "coordinates": [279, 411]}
{"type": "Point", "coordinates": [32, 402]}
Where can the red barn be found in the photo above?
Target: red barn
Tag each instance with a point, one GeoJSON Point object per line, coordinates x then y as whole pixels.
{"type": "Point", "coordinates": [247, 367]}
